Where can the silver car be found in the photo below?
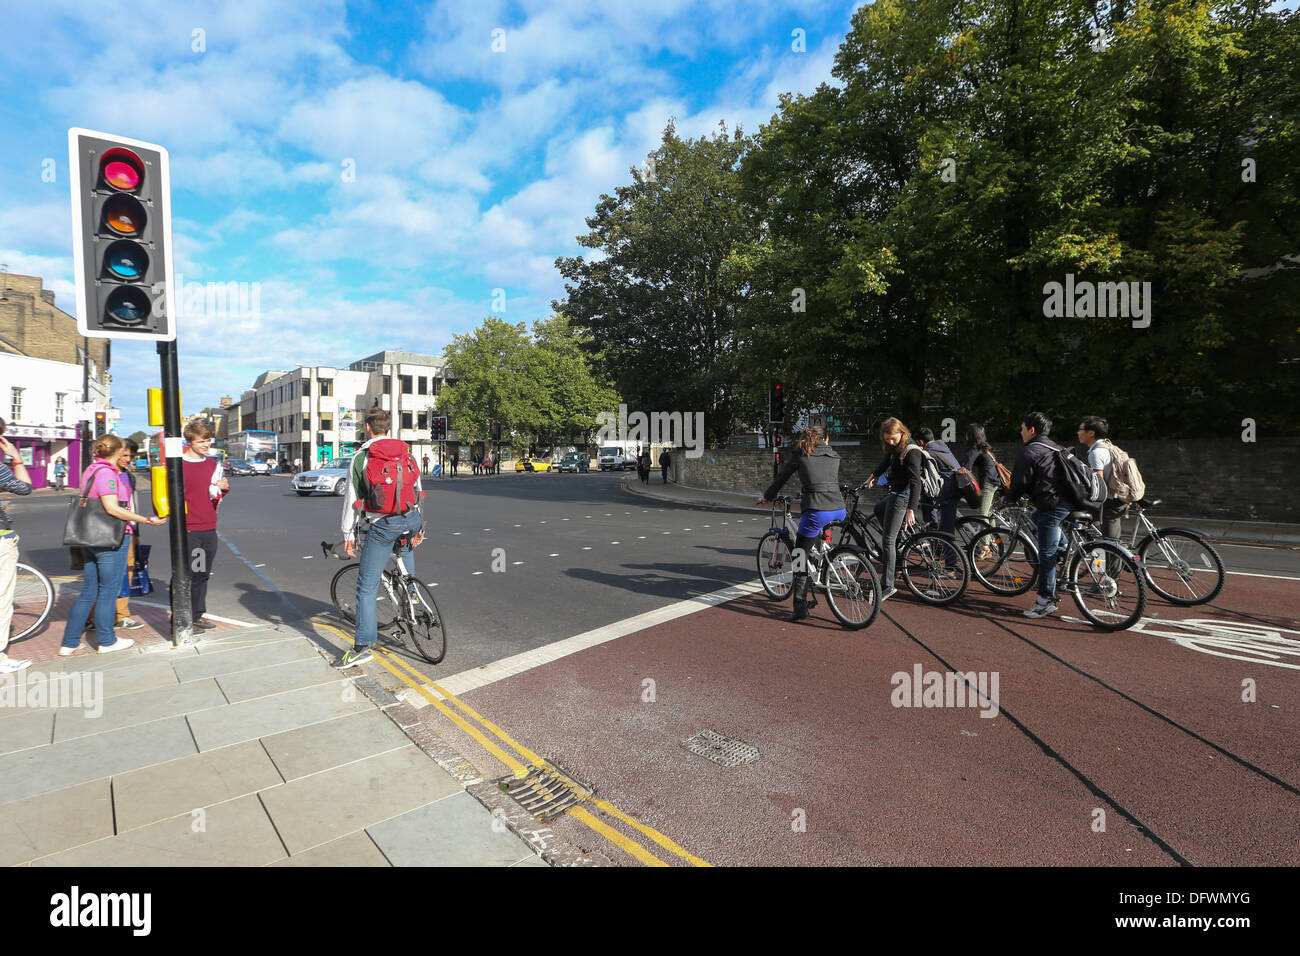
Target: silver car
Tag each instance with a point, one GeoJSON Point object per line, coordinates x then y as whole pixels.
{"type": "Point", "coordinates": [331, 478]}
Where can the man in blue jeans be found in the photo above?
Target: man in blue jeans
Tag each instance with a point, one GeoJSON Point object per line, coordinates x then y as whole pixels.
{"type": "Point", "coordinates": [1037, 474]}
{"type": "Point", "coordinates": [382, 532]}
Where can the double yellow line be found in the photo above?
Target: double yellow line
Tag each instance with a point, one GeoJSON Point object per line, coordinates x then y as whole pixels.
{"type": "Point", "coordinates": [516, 761]}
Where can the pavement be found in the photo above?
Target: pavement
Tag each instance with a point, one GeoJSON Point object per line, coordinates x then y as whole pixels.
{"type": "Point", "coordinates": [1242, 532]}
{"type": "Point", "coordinates": [244, 748]}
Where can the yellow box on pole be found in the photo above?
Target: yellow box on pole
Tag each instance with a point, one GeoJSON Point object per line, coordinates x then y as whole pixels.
{"type": "Point", "coordinates": [158, 482]}
{"type": "Point", "coordinates": [155, 400]}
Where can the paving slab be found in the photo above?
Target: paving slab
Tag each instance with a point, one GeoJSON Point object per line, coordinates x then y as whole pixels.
{"type": "Point", "coordinates": [31, 728]}
{"type": "Point", "coordinates": [218, 643]}
{"type": "Point", "coordinates": [355, 849]}
{"type": "Point", "coordinates": [325, 806]}
{"type": "Point", "coordinates": [231, 659]}
{"type": "Point", "coordinates": [70, 762]}
{"type": "Point", "coordinates": [271, 715]}
{"type": "Point", "coordinates": [55, 821]}
{"type": "Point", "coordinates": [333, 743]}
{"type": "Point", "coordinates": [237, 833]}
{"type": "Point", "coordinates": [138, 708]}
{"type": "Point", "coordinates": [278, 678]}
{"type": "Point", "coordinates": [456, 831]}
{"type": "Point", "coordinates": [150, 794]}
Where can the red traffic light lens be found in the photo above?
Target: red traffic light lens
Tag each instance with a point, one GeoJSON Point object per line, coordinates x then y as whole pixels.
{"type": "Point", "coordinates": [121, 169]}
{"type": "Point", "coordinates": [125, 216]}
{"type": "Point", "coordinates": [126, 260]}
{"type": "Point", "coordinates": [127, 305]}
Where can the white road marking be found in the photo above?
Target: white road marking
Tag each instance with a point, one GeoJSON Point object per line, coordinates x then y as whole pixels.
{"type": "Point", "coordinates": [307, 557]}
{"type": "Point", "coordinates": [516, 562]}
{"type": "Point", "coordinates": [259, 565]}
{"type": "Point", "coordinates": [477, 572]}
{"type": "Point", "coordinates": [586, 547]}
{"type": "Point", "coordinates": [640, 537]}
{"type": "Point", "coordinates": [456, 532]}
{"type": "Point", "coordinates": [477, 677]}
{"type": "Point", "coordinates": [433, 584]}
{"type": "Point", "coordinates": [555, 555]}
{"type": "Point", "coordinates": [223, 620]}
{"type": "Point", "coordinates": [613, 542]}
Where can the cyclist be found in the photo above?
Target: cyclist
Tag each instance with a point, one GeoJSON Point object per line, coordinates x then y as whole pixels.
{"type": "Point", "coordinates": [1036, 474]}
{"type": "Point", "coordinates": [818, 465]}
{"type": "Point", "coordinates": [979, 461]}
{"type": "Point", "coordinates": [394, 521]}
{"type": "Point", "coordinates": [903, 461]}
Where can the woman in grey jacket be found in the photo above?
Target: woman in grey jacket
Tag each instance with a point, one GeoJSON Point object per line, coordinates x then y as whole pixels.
{"type": "Point", "coordinates": [818, 465]}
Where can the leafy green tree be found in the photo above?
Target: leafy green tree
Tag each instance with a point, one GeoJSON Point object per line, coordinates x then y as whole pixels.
{"type": "Point", "coordinates": [572, 396]}
{"type": "Point", "coordinates": [490, 386]}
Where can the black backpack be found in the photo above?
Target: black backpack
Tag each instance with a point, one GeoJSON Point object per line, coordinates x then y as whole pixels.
{"type": "Point", "coordinates": [1084, 485]}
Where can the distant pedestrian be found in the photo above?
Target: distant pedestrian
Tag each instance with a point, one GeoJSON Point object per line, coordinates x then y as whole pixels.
{"type": "Point", "coordinates": [60, 473]}
{"type": "Point", "coordinates": [426, 464]}
{"type": "Point", "coordinates": [665, 460]}
{"type": "Point", "coordinates": [643, 467]}
{"type": "Point", "coordinates": [15, 481]}
{"type": "Point", "coordinates": [455, 462]}
{"type": "Point", "coordinates": [297, 465]}
{"type": "Point", "coordinates": [105, 567]}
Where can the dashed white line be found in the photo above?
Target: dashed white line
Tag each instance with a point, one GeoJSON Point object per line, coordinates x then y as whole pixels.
{"type": "Point", "coordinates": [555, 555]}
{"type": "Point", "coordinates": [307, 557]}
{"type": "Point", "coordinates": [613, 542]}
{"type": "Point", "coordinates": [476, 572]}
{"type": "Point", "coordinates": [640, 537]}
{"type": "Point", "coordinates": [432, 584]}
{"type": "Point", "coordinates": [516, 562]}
{"type": "Point", "coordinates": [586, 547]}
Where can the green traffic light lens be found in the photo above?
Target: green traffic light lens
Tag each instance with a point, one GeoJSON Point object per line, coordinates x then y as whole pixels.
{"type": "Point", "coordinates": [121, 169]}
{"type": "Point", "coordinates": [125, 216]}
{"type": "Point", "coordinates": [127, 305]}
{"type": "Point", "coordinates": [126, 260]}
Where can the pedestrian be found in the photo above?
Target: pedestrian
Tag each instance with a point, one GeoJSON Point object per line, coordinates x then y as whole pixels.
{"type": "Point", "coordinates": [455, 462]}
{"type": "Point", "coordinates": [205, 486]}
{"type": "Point", "coordinates": [60, 473]}
{"type": "Point", "coordinates": [979, 461]}
{"type": "Point", "coordinates": [297, 465]}
{"type": "Point", "coordinates": [105, 567]}
{"type": "Point", "coordinates": [643, 467]}
{"type": "Point", "coordinates": [426, 464]}
{"type": "Point", "coordinates": [126, 472]}
{"type": "Point", "coordinates": [665, 460]}
{"type": "Point", "coordinates": [14, 480]}
{"type": "Point", "coordinates": [1037, 474]}
{"type": "Point", "coordinates": [389, 520]}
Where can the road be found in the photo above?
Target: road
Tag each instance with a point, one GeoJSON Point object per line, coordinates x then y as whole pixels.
{"type": "Point", "coordinates": [1168, 744]}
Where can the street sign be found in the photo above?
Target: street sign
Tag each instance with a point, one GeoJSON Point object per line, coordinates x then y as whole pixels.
{"type": "Point", "coordinates": [121, 236]}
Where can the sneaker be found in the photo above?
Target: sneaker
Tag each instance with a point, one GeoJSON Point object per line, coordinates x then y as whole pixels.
{"type": "Point", "coordinates": [352, 657]}
{"type": "Point", "coordinates": [127, 624]}
{"type": "Point", "coordinates": [68, 651]}
{"type": "Point", "coordinates": [203, 624]}
{"type": "Point", "coordinates": [886, 594]}
{"type": "Point", "coordinates": [121, 644]}
{"type": "Point", "coordinates": [11, 666]}
{"type": "Point", "coordinates": [1042, 608]}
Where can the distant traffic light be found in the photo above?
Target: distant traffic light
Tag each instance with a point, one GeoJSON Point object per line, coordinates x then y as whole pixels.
{"type": "Point", "coordinates": [101, 424]}
{"type": "Point", "coordinates": [121, 237]}
{"type": "Point", "coordinates": [438, 429]}
{"type": "Point", "coordinates": [776, 403]}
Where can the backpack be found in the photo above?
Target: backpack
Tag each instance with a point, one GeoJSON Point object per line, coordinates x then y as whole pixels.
{"type": "Point", "coordinates": [1081, 483]}
{"type": "Point", "coordinates": [390, 482]}
{"type": "Point", "coordinates": [931, 480]}
{"type": "Point", "coordinates": [1126, 483]}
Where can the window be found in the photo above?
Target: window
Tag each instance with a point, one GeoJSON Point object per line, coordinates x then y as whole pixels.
{"type": "Point", "coordinates": [16, 404]}
{"type": "Point", "coordinates": [306, 388]}
{"type": "Point", "coordinates": [388, 384]}
{"type": "Point", "coordinates": [424, 387]}
{"type": "Point", "coordinates": [423, 422]}
{"type": "Point", "coordinates": [326, 387]}
{"type": "Point", "coordinates": [306, 423]}
{"type": "Point", "coordinates": [58, 407]}
{"type": "Point", "coordinates": [327, 421]}
{"type": "Point", "coordinates": [436, 385]}
{"type": "Point", "coordinates": [406, 419]}
{"type": "Point", "coordinates": [405, 381]}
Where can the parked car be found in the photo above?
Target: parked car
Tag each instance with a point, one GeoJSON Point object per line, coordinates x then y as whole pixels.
{"type": "Point", "coordinates": [238, 466]}
{"type": "Point", "coordinates": [532, 464]}
{"type": "Point", "coordinates": [575, 462]}
{"type": "Point", "coordinates": [330, 478]}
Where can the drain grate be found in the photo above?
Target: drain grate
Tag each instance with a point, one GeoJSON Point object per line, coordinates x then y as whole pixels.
{"type": "Point", "coordinates": [546, 791]}
{"type": "Point", "coordinates": [720, 748]}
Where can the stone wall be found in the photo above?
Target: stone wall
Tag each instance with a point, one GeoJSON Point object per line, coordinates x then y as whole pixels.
{"type": "Point", "coordinates": [1197, 477]}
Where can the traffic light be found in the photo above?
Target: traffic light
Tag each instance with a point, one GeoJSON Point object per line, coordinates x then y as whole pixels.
{"type": "Point", "coordinates": [776, 403]}
{"type": "Point", "coordinates": [121, 237]}
{"type": "Point", "coordinates": [438, 430]}
{"type": "Point", "coordinates": [101, 424]}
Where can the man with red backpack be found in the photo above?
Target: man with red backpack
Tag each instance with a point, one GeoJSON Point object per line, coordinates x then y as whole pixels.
{"type": "Point", "coordinates": [382, 503]}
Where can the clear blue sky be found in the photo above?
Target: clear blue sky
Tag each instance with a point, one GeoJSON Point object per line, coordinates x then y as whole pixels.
{"type": "Point", "coordinates": [474, 169]}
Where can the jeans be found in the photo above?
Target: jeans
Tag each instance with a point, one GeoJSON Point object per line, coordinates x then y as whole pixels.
{"type": "Point", "coordinates": [894, 516]}
{"type": "Point", "coordinates": [1049, 541]}
{"type": "Point", "coordinates": [375, 552]}
{"type": "Point", "coordinates": [105, 569]}
{"type": "Point", "coordinates": [988, 491]}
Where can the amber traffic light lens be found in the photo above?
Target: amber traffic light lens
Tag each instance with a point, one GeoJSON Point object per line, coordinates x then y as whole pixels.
{"type": "Point", "coordinates": [124, 216]}
{"type": "Point", "coordinates": [127, 305]}
{"type": "Point", "coordinates": [121, 169]}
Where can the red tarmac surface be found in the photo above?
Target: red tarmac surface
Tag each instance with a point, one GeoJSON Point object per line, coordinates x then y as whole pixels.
{"type": "Point", "coordinates": [1135, 725]}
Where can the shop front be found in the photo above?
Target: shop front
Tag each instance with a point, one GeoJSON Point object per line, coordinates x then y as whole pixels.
{"type": "Point", "coordinates": [39, 446]}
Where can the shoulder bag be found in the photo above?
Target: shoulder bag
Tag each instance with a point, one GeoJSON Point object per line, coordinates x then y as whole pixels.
{"type": "Point", "coordinates": [88, 525]}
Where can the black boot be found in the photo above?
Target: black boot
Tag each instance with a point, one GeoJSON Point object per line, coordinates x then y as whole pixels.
{"type": "Point", "coordinates": [800, 597]}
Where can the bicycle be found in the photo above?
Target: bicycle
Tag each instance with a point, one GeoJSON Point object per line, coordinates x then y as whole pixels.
{"type": "Point", "coordinates": [402, 600]}
{"type": "Point", "coordinates": [33, 602]}
{"type": "Point", "coordinates": [932, 564]}
{"type": "Point", "coordinates": [1099, 573]}
{"type": "Point", "coordinates": [844, 573]}
{"type": "Point", "coordinates": [1172, 557]}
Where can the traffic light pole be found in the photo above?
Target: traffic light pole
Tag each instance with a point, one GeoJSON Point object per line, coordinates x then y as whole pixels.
{"type": "Point", "coordinates": [182, 612]}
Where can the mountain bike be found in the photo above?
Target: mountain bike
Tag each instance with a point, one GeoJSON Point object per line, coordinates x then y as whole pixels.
{"type": "Point", "coordinates": [33, 601]}
{"type": "Point", "coordinates": [1102, 575]}
{"type": "Point", "coordinates": [403, 602]}
{"type": "Point", "coordinates": [844, 573]}
{"type": "Point", "coordinates": [933, 565]}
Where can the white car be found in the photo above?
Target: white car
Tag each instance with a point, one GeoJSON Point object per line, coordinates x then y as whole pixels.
{"type": "Point", "coordinates": [262, 467]}
{"type": "Point", "coordinates": [331, 479]}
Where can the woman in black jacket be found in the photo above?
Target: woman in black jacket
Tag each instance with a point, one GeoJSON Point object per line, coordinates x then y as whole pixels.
{"type": "Point", "coordinates": [903, 461]}
{"type": "Point", "coordinates": [979, 461]}
{"type": "Point", "coordinates": [818, 465]}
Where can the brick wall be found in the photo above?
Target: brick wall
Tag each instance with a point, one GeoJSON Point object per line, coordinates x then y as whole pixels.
{"type": "Point", "coordinates": [32, 325]}
{"type": "Point", "coordinates": [1202, 477]}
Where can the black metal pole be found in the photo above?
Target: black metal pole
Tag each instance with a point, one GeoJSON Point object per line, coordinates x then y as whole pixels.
{"type": "Point", "coordinates": [87, 436]}
{"type": "Point", "coordinates": [182, 612]}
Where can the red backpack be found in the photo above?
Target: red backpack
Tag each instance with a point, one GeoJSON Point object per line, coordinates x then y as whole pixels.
{"type": "Point", "coordinates": [390, 483]}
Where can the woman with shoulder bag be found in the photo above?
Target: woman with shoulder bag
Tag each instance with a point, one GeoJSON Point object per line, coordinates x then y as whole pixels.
{"type": "Point", "coordinates": [979, 461]}
{"type": "Point", "coordinates": [105, 567]}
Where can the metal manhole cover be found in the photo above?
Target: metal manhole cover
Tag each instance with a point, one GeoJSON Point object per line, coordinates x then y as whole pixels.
{"type": "Point", "coordinates": [720, 748]}
{"type": "Point", "coordinates": [546, 791]}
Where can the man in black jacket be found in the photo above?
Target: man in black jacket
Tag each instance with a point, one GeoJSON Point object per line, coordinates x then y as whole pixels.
{"type": "Point", "coordinates": [1037, 474]}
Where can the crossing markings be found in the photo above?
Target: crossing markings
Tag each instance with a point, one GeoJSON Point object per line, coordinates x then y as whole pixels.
{"type": "Point", "coordinates": [555, 555]}
{"type": "Point", "coordinates": [476, 572]}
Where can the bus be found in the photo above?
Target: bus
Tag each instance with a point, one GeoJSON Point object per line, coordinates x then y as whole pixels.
{"type": "Point", "coordinates": [254, 445]}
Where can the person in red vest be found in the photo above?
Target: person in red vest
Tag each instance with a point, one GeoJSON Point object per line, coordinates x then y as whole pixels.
{"type": "Point", "coordinates": [205, 486]}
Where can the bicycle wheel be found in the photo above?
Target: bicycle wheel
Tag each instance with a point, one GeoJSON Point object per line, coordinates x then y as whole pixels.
{"type": "Point", "coordinates": [968, 526]}
{"type": "Point", "coordinates": [1004, 561]}
{"type": "Point", "coordinates": [775, 565]}
{"type": "Point", "coordinates": [934, 567]}
{"type": "Point", "coordinates": [1181, 566]}
{"type": "Point", "coordinates": [1106, 585]}
{"type": "Point", "coordinates": [852, 587]}
{"type": "Point", "coordinates": [343, 592]}
{"type": "Point", "coordinates": [33, 601]}
{"type": "Point", "coordinates": [424, 623]}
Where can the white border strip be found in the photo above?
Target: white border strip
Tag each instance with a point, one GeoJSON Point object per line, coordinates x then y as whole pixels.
{"type": "Point", "coordinates": [510, 666]}
{"type": "Point", "coordinates": [223, 620]}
